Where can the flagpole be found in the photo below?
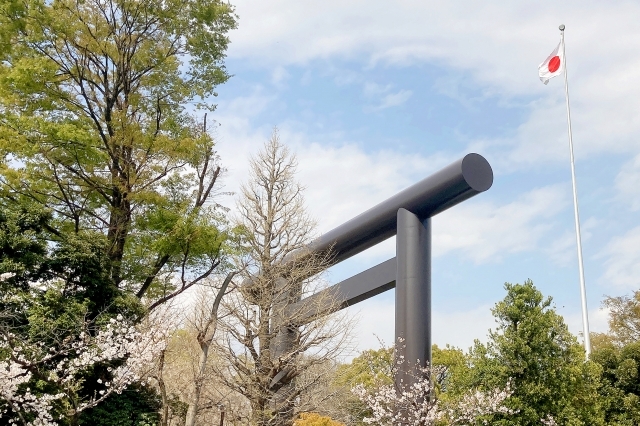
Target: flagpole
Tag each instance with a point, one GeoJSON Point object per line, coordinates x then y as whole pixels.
{"type": "Point", "coordinates": [583, 291]}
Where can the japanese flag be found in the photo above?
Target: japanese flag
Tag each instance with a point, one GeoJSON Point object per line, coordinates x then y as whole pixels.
{"type": "Point", "coordinates": [553, 65]}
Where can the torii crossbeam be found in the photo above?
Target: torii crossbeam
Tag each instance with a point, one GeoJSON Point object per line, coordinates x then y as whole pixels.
{"type": "Point", "coordinates": [408, 216]}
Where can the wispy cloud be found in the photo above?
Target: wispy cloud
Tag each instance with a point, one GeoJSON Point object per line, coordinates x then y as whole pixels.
{"type": "Point", "coordinates": [622, 264]}
{"type": "Point", "coordinates": [394, 99]}
{"type": "Point", "coordinates": [384, 96]}
{"type": "Point", "coordinates": [628, 183]}
{"type": "Point", "coordinates": [495, 45]}
{"type": "Point", "coordinates": [489, 231]}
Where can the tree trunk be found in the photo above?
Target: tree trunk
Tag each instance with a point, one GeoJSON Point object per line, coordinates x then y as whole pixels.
{"type": "Point", "coordinates": [198, 382]}
{"type": "Point", "coordinates": [164, 421]}
{"type": "Point", "coordinates": [205, 338]}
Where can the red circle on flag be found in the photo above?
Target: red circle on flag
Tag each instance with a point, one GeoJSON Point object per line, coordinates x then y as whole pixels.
{"type": "Point", "coordinates": [554, 64]}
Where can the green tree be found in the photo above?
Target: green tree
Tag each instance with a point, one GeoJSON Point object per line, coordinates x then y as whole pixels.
{"type": "Point", "coordinates": [533, 349]}
{"type": "Point", "coordinates": [78, 297]}
{"type": "Point", "coordinates": [94, 127]}
{"type": "Point", "coordinates": [620, 390]}
{"type": "Point", "coordinates": [136, 406]}
{"type": "Point", "coordinates": [372, 368]}
{"type": "Point", "coordinates": [375, 368]}
{"type": "Point", "coordinates": [618, 352]}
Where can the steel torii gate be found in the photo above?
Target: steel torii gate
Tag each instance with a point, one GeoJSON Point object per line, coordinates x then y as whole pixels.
{"type": "Point", "coordinates": [408, 216]}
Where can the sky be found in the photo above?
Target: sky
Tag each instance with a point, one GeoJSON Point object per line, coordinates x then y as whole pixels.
{"type": "Point", "coordinates": [372, 96]}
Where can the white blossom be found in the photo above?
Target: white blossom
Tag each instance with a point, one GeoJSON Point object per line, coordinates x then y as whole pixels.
{"type": "Point", "coordinates": [136, 346]}
{"type": "Point", "coordinates": [417, 404]}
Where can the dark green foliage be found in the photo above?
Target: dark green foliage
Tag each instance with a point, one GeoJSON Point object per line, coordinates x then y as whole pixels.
{"type": "Point", "coordinates": [618, 352]}
{"type": "Point", "coordinates": [59, 290]}
{"type": "Point", "coordinates": [22, 246]}
{"type": "Point", "coordinates": [105, 179]}
{"type": "Point", "coordinates": [620, 383]}
{"type": "Point", "coordinates": [534, 350]}
{"type": "Point", "coordinates": [136, 406]}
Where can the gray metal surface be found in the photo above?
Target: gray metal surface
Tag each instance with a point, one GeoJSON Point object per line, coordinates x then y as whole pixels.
{"type": "Point", "coordinates": [408, 214]}
{"type": "Point", "coordinates": [455, 183]}
{"type": "Point", "coordinates": [357, 288]}
{"type": "Point", "coordinates": [413, 296]}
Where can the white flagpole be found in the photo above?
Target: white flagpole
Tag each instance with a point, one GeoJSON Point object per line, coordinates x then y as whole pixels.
{"type": "Point", "coordinates": [583, 291]}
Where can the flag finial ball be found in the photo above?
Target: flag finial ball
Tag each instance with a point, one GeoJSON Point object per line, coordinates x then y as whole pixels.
{"type": "Point", "coordinates": [561, 27]}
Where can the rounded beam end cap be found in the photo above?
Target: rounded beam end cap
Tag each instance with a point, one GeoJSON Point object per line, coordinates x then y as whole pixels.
{"type": "Point", "coordinates": [477, 172]}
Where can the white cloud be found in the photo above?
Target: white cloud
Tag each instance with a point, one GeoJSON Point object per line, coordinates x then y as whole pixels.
{"type": "Point", "coordinates": [371, 89]}
{"type": "Point", "coordinates": [279, 75]}
{"type": "Point", "coordinates": [486, 231]}
{"type": "Point", "coordinates": [384, 95]}
{"type": "Point", "coordinates": [394, 99]}
{"type": "Point", "coordinates": [461, 328]}
{"type": "Point", "coordinates": [628, 183]}
{"type": "Point", "coordinates": [598, 321]}
{"type": "Point", "coordinates": [622, 264]}
{"type": "Point", "coordinates": [375, 325]}
{"type": "Point", "coordinates": [562, 250]}
{"type": "Point", "coordinates": [342, 180]}
{"type": "Point", "coordinates": [495, 44]}
{"type": "Point", "coordinates": [499, 42]}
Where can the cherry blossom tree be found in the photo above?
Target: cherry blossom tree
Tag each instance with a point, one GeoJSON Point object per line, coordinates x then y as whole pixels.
{"type": "Point", "coordinates": [37, 381]}
{"type": "Point", "coordinates": [418, 405]}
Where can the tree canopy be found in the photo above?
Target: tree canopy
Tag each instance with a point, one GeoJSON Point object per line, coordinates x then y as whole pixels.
{"type": "Point", "coordinates": [108, 176]}
{"type": "Point", "coordinates": [533, 349]}
{"type": "Point", "coordinates": [95, 127]}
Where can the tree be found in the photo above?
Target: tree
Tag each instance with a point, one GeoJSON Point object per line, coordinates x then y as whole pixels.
{"type": "Point", "coordinates": [419, 405]}
{"type": "Point", "coordinates": [373, 370]}
{"type": "Point", "coordinates": [620, 392]}
{"type": "Point", "coordinates": [624, 319]}
{"type": "Point", "coordinates": [67, 336]}
{"type": "Point", "coordinates": [22, 246]}
{"type": "Point", "coordinates": [267, 343]}
{"type": "Point", "coordinates": [533, 348]}
{"type": "Point", "coordinates": [618, 353]}
{"type": "Point", "coordinates": [54, 375]}
{"type": "Point", "coordinates": [94, 127]}
{"type": "Point", "coordinates": [205, 324]}
{"type": "Point", "coordinates": [186, 377]}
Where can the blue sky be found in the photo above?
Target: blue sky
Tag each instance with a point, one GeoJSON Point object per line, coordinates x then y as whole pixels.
{"type": "Point", "coordinates": [373, 96]}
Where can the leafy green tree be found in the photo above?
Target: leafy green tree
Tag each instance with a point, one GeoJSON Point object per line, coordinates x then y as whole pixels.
{"type": "Point", "coordinates": [22, 246]}
{"type": "Point", "coordinates": [94, 127]}
{"type": "Point", "coordinates": [618, 352]}
{"type": "Point", "coordinates": [620, 390]}
{"type": "Point", "coordinates": [451, 367]}
{"type": "Point", "coordinates": [136, 406]}
{"type": "Point", "coordinates": [372, 368]}
{"type": "Point", "coordinates": [533, 349]}
{"type": "Point", "coordinates": [50, 295]}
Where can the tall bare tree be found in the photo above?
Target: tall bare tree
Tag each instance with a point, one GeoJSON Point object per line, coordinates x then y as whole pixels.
{"type": "Point", "coordinates": [268, 341]}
